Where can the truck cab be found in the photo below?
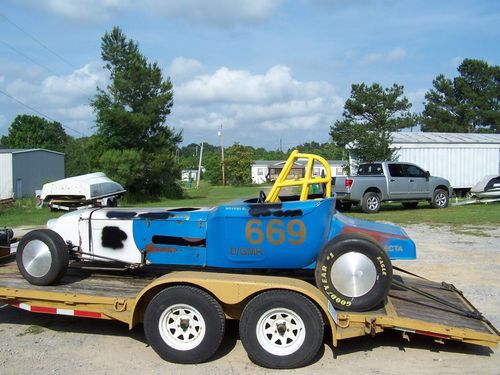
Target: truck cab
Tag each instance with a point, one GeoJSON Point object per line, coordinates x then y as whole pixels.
{"type": "Point", "coordinates": [379, 182]}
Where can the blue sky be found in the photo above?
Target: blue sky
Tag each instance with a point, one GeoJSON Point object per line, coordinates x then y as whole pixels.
{"type": "Point", "coordinates": [265, 69]}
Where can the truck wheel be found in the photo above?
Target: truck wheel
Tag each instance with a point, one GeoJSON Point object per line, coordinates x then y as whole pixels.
{"type": "Point", "coordinates": [281, 329]}
{"type": "Point", "coordinates": [440, 198]}
{"type": "Point", "coordinates": [42, 257]}
{"type": "Point", "coordinates": [184, 324]}
{"type": "Point", "coordinates": [370, 203]}
{"type": "Point", "coordinates": [410, 204]}
{"type": "Point", "coordinates": [354, 272]}
{"type": "Point", "coordinates": [343, 206]}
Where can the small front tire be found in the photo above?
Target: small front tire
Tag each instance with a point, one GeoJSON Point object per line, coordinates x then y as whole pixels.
{"type": "Point", "coordinates": [184, 324]}
{"type": "Point", "coordinates": [42, 257]}
{"type": "Point", "coordinates": [281, 329]}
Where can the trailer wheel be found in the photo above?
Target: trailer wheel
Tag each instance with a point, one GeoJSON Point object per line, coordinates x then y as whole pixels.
{"type": "Point", "coordinates": [281, 329]}
{"type": "Point", "coordinates": [440, 199]}
{"type": "Point", "coordinates": [42, 257]}
{"type": "Point", "coordinates": [370, 203]}
{"type": "Point", "coordinates": [184, 324]}
{"type": "Point", "coordinates": [354, 272]}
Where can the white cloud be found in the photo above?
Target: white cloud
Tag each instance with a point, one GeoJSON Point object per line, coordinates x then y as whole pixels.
{"type": "Point", "coordinates": [222, 13]}
{"type": "Point", "coordinates": [182, 68]}
{"type": "Point", "coordinates": [216, 12]}
{"type": "Point", "coordinates": [63, 98]}
{"type": "Point", "coordinates": [396, 54]}
{"type": "Point", "coordinates": [256, 109]}
{"type": "Point", "coordinates": [233, 86]}
{"type": "Point", "coordinates": [84, 10]}
{"type": "Point", "coordinates": [417, 98]}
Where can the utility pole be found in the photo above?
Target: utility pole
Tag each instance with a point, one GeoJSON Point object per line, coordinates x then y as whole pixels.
{"type": "Point", "coordinates": [220, 133]}
{"type": "Point", "coordinates": [199, 167]}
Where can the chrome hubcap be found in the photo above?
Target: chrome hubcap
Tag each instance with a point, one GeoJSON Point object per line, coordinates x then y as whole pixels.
{"type": "Point", "coordinates": [353, 274]}
{"type": "Point", "coordinates": [37, 258]}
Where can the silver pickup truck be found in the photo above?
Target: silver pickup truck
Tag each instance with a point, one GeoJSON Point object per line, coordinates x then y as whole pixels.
{"type": "Point", "coordinates": [390, 181]}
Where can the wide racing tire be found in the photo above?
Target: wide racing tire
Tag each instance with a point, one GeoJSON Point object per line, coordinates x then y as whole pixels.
{"type": "Point", "coordinates": [184, 324]}
{"type": "Point", "coordinates": [354, 272]}
{"type": "Point", "coordinates": [281, 329]}
{"type": "Point", "coordinates": [42, 257]}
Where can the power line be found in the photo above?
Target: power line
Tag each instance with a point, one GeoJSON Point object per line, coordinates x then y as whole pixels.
{"type": "Point", "coordinates": [27, 57]}
{"type": "Point", "coordinates": [40, 113]}
{"type": "Point", "coordinates": [37, 41]}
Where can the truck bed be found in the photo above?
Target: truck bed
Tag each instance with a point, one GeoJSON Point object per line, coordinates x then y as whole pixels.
{"type": "Point", "coordinates": [404, 309]}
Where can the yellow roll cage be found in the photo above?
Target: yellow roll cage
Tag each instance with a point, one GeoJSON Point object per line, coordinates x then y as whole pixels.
{"type": "Point", "coordinates": [306, 181]}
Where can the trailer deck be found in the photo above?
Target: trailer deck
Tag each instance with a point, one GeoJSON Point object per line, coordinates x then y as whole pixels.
{"type": "Point", "coordinates": [119, 296]}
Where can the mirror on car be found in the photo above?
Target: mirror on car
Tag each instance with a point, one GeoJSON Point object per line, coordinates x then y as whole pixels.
{"type": "Point", "coordinates": [427, 175]}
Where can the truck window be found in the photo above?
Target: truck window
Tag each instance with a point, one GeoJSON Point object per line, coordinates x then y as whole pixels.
{"type": "Point", "coordinates": [396, 170]}
{"type": "Point", "coordinates": [414, 171]}
{"type": "Point", "coordinates": [370, 169]}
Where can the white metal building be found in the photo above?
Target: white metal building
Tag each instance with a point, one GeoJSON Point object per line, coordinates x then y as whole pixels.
{"type": "Point", "coordinates": [268, 170]}
{"type": "Point", "coordinates": [462, 158]}
{"type": "Point", "coordinates": [24, 171]}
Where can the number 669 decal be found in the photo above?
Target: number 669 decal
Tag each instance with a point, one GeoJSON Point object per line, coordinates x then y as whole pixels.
{"type": "Point", "coordinates": [276, 232]}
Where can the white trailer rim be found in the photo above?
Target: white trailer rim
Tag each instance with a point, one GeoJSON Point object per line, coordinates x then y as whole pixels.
{"type": "Point", "coordinates": [280, 331]}
{"type": "Point", "coordinates": [37, 258]}
{"type": "Point", "coordinates": [182, 327]}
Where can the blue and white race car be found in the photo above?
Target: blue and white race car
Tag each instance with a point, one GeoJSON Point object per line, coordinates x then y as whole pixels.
{"type": "Point", "coordinates": [350, 258]}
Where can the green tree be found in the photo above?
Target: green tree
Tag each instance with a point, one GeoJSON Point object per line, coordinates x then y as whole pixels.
{"type": "Point", "coordinates": [28, 131]}
{"type": "Point", "coordinates": [369, 117]}
{"type": "Point", "coordinates": [238, 162]}
{"type": "Point", "coordinates": [76, 161]}
{"type": "Point", "coordinates": [131, 114]}
{"type": "Point", "coordinates": [469, 103]}
{"type": "Point", "coordinates": [213, 173]}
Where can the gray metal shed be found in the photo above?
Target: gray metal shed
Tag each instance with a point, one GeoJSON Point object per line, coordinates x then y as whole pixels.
{"type": "Point", "coordinates": [22, 171]}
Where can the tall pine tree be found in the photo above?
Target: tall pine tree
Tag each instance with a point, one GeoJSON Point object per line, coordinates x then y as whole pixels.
{"type": "Point", "coordinates": [131, 114]}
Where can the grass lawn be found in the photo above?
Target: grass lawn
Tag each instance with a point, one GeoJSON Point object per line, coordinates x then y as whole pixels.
{"type": "Point", "coordinates": [471, 217]}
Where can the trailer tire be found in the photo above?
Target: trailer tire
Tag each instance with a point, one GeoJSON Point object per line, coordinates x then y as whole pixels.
{"type": "Point", "coordinates": [354, 272]}
{"type": "Point", "coordinates": [298, 335]}
{"type": "Point", "coordinates": [440, 199]}
{"type": "Point", "coordinates": [370, 203]}
{"type": "Point", "coordinates": [42, 257]}
{"type": "Point", "coordinates": [184, 324]}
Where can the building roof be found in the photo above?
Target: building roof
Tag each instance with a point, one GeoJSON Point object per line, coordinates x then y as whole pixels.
{"type": "Point", "coordinates": [433, 137]}
{"type": "Point", "coordinates": [22, 150]}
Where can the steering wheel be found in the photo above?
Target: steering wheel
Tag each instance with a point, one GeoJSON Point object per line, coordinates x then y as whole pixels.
{"type": "Point", "coordinates": [262, 197]}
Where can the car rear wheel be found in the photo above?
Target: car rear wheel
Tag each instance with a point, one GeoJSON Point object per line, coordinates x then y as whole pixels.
{"type": "Point", "coordinates": [42, 257]}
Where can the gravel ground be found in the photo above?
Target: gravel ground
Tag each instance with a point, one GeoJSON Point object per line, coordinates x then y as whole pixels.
{"type": "Point", "coordinates": [46, 344]}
